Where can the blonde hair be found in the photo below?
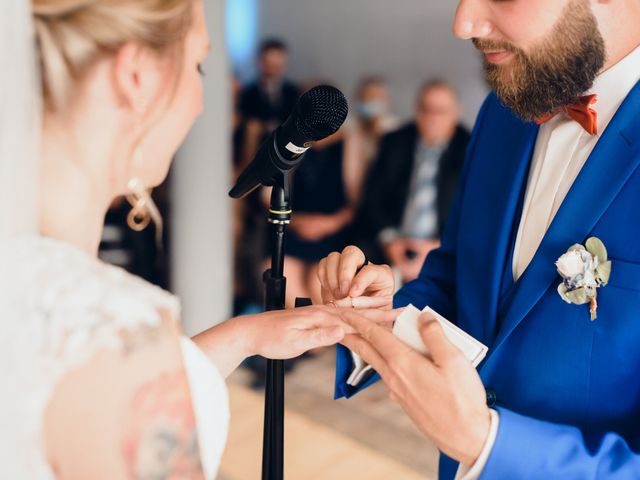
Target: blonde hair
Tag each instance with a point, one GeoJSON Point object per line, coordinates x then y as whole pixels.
{"type": "Point", "coordinates": [73, 34]}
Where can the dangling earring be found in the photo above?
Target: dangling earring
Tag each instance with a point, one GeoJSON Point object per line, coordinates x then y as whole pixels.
{"type": "Point", "coordinates": [143, 208]}
{"type": "Point", "coordinates": [139, 198]}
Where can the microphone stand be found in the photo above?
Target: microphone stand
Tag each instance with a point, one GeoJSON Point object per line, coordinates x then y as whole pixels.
{"type": "Point", "coordinates": [275, 287]}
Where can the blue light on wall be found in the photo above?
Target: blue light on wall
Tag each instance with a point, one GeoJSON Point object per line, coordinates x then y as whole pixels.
{"type": "Point", "coordinates": [242, 31]}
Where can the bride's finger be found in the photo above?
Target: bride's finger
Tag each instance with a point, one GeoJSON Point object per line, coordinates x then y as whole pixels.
{"type": "Point", "coordinates": [373, 302]}
{"type": "Point", "coordinates": [364, 302]}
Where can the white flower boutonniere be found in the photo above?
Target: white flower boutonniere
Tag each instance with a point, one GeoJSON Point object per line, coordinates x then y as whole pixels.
{"type": "Point", "coordinates": [584, 269]}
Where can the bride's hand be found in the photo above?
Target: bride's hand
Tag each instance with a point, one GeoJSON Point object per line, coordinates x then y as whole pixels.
{"type": "Point", "coordinates": [280, 334]}
{"type": "Point", "coordinates": [287, 334]}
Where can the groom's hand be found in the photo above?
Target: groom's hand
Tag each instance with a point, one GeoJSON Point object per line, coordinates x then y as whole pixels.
{"type": "Point", "coordinates": [443, 394]}
{"type": "Point", "coordinates": [345, 275]}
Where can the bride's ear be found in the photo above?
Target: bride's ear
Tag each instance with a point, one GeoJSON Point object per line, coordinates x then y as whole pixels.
{"type": "Point", "coordinates": [138, 77]}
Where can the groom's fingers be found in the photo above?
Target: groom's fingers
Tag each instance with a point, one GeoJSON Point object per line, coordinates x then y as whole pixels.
{"type": "Point", "coordinates": [369, 275]}
{"type": "Point", "coordinates": [359, 345]}
{"type": "Point", "coordinates": [384, 342]}
{"type": "Point", "coordinates": [331, 274]}
{"type": "Point", "coordinates": [351, 260]}
{"type": "Point", "coordinates": [327, 292]}
{"type": "Point", "coordinates": [381, 317]}
{"type": "Point", "coordinates": [434, 338]}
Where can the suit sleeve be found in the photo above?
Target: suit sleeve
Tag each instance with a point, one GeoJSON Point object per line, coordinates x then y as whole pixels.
{"type": "Point", "coordinates": [436, 284]}
{"type": "Point", "coordinates": [527, 448]}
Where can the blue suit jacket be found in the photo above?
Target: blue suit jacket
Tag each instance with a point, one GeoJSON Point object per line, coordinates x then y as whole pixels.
{"type": "Point", "coordinates": [568, 389]}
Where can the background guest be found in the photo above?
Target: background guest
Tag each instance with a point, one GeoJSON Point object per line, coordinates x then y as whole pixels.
{"type": "Point", "coordinates": [373, 119]}
{"type": "Point", "coordinates": [411, 185]}
{"type": "Point", "coordinates": [267, 102]}
{"type": "Point", "coordinates": [263, 105]}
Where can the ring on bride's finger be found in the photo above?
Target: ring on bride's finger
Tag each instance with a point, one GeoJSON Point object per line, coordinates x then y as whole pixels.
{"type": "Point", "coordinates": [333, 304]}
{"type": "Point", "coordinates": [353, 305]}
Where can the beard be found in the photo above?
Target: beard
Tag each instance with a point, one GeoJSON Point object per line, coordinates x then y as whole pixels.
{"type": "Point", "coordinates": [556, 72]}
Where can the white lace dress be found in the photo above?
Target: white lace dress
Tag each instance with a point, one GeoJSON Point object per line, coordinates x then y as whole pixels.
{"type": "Point", "coordinates": [58, 307]}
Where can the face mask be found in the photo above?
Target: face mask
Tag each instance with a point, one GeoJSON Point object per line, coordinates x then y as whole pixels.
{"type": "Point", "coordinates": [372, 109]}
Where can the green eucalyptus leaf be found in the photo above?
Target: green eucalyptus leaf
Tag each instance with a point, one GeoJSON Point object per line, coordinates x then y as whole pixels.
{"type": "Point", "coordinates": [578, 296]}
{"type": "Point", "coordinates": [603, 272]}
{"type": "Point", "coordinates": [596, 248]}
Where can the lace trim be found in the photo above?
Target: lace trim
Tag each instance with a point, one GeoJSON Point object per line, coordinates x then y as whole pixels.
{"type": "Point", "coordinates": [58, 306]}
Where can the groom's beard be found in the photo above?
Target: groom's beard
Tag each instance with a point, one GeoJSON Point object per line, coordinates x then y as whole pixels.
{"type": "Point", "coordinates": [554, 73]}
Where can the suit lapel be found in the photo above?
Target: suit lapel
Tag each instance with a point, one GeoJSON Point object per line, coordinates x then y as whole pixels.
{"type": "Point", "coordinates": [611, 164]}
{"type": "Point", "coordinates": [502, 169]}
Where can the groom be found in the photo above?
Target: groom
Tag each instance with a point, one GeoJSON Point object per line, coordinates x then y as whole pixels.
{"type": "Point", "coordinates": [554, 160]}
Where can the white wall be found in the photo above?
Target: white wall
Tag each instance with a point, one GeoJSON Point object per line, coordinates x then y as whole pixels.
{"type": "Point", "coordinates": [407, 41]}
{"type": "Point", "coordinates": [201, 226]}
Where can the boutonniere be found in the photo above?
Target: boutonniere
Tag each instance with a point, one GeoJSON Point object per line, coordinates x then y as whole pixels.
{"type": "Point", "coordinates": [584, 269]}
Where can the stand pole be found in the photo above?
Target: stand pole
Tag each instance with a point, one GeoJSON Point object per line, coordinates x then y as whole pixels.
{"type": "Point", "coordinates": [275, 288]}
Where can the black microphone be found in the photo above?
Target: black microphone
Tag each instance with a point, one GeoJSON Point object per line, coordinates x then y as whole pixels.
{"type": "Point", "coordinates": [318, 114]}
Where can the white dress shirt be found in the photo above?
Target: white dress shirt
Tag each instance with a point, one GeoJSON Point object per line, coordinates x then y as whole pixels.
{"type": "Point", "coordinates": [562, 148]}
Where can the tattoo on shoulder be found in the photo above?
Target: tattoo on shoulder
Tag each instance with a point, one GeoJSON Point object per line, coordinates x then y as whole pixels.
{"type": "Point", "coordinates": [161, 441]}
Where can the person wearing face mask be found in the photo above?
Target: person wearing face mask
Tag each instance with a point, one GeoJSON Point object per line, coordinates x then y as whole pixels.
{"type": "Point", "coordinates": [373, 120]}
{"type": "Point", "coordinates": [412, 183]}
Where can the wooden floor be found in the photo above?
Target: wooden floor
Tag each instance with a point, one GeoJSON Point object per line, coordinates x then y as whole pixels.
{"type": "Point", "coordinates": [368, 438]}
{"type": "Point", "coordinates": [312, 451]}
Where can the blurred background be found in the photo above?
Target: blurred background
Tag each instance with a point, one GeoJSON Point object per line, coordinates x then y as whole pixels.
{"type": "Point", "coordinates": [384, 182]}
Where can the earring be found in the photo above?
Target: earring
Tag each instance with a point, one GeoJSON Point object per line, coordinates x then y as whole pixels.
{"type": "Point", "coordinates": [143, 208]}
{"type": "Point", "coordinates": [139, 199]}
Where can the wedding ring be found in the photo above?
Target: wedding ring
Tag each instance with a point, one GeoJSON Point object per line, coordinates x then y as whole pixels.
{"type": "Point", "coordinates": [332, 303]}
{"type": "Point", "coordinates": [353, 305]}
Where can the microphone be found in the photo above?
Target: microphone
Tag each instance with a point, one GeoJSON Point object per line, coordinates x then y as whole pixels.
{"type": "Point", "coordinates": [318, 114]}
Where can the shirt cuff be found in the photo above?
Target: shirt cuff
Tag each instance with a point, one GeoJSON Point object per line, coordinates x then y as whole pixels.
{"type": "Point", "coordinates": [388, 235]}
{"type": "Point", "coordinates": [473, 473]}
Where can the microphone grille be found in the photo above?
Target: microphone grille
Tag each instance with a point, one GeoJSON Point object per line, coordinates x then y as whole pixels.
{"type": "Point", "coordinates": [321, 112]}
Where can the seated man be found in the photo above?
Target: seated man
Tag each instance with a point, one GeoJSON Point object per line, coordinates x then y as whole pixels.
{"type": "Point", "coordinates": [412, 183]}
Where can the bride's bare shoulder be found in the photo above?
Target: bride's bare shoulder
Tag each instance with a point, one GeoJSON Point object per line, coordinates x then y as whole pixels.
{"type": "Point", "coordinates": [129, 411]}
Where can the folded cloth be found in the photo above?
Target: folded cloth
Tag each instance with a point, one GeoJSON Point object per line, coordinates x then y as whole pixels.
{"type": "Point", "coordinates": [406, 329]}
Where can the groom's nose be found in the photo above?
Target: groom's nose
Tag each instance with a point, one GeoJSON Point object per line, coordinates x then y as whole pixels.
{"type": "Point", "coordinates": [472, 20]}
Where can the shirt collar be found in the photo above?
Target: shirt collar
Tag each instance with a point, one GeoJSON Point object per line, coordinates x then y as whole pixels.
{"type": "Point", "coordinates": [613, 85]}
{"type": "Point", "coordinates": [423, 148]}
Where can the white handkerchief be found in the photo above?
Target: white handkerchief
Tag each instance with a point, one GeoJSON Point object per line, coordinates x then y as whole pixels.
{"type": "Point", "coordinates": [406, 329]}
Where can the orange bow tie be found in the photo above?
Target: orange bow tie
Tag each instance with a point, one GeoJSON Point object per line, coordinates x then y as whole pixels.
{"type": "Point", "coordinates": [580, 111]}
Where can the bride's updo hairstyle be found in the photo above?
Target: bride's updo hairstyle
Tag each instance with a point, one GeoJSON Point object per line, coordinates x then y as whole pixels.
{"type": "Point", "coordinates": [73, 34]}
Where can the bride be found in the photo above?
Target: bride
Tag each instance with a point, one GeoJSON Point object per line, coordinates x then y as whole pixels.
{"type": "Point", "coordinates": [95, 98]}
